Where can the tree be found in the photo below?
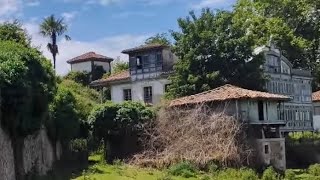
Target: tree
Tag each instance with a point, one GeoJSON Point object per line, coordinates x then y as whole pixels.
{"type": "Point", "coordinates": [293, 24]}
{"type": "Point", "coordinates": [27, 86]}
{"type": "Point", "coordinates": [119, 66]}
{"type": "Point", "coordinates": [212, 52]}
{"type": "Point", "coordinates": [79, 77]}
{"type": "Point", "coordinates": [14, 32]}
{"type": "Point", "coordinates": [159, 39]}
{"type": "Point", "coordinates": [52, 28]}
{"type": "Point", "coordinates": [116, 122]}
{"type": "Point", "coordinates": [64, 121]}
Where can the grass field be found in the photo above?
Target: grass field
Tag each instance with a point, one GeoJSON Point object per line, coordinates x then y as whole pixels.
{"type": "Point", "coordinates": [102, 171]}
{"type": "Point", "coordinates": [98, 170]}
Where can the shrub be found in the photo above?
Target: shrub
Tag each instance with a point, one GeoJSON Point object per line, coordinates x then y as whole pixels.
{"type": "Point", "coordinates": [290, 175]}
{"type": "Point", "coordinates": [79, 77]}
{"type": "Point", "coordinates": [270, 174]}
{"type": "Point", "coordinates": [63, 122]}
{"type": "Point", "coordinates": [184, 169]}
{"type": "Point", "coordinates": [78, 145]}
{"type": "Point", "coordinates": [314, 169]}
{"type": "Point", "coordinates": [243, 174]}
{"type": "Point", "coordinates": [119, 118]}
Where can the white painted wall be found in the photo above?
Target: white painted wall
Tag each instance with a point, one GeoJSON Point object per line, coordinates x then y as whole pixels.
{"type": "Point", "coordinates": [105, 65]}
{"type": "Point", "coordinates": [251, 109]}
{"type": "Point", "coordinates": [86, 66]}
{"type": "Point", "coordinates": [137, 90]}
{"type": "Point", "coordinates": [83, 66]}
{"type": "Point", "coordinates": [316, 118]}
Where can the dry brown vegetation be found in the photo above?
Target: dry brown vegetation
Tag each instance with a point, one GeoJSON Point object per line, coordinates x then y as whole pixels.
{"type": "Point", "coordinates": [197, 135]}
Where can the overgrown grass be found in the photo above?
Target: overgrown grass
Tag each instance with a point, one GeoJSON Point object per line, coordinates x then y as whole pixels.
{"type": "Point", "coordinates": [99, 170]}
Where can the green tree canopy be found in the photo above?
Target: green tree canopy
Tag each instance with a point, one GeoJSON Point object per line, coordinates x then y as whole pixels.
{"type": "Point", "coordinates": [13, 31]}
{"type": "Point", "coordinates": [162, 38]}
{"type": "Point", "coordinates": [119, 66]}
{"type": "Point", "coordinates": [212, 51]}
{"type": "Point", "coordinates": [27, 85]}
{"type": "Point", "coordinates": [64, 121]}
{"type": "Point", "coordinates": [293, 24]}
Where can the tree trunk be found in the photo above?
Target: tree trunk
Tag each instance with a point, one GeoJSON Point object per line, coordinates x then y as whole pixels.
{"type": "Point", "coordinates": [54, 61]}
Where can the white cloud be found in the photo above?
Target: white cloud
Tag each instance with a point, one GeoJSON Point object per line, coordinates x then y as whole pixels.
{"type": "Point", "coordinates": [32, 3]}
{"type": "Point", "coordinates": [210, 3]}
{"type": "Point", "coordinates": [8, 7]}
{"type": "Point", "coordinates": [69, 16]}
{"type": "Point", "coordinates": [108, 46]}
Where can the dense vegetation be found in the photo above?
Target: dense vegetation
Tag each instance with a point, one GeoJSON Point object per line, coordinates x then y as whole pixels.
{"type": "Point", "coordinates": [212, 51]}
{"type": "Point", "coordinates": [27, 86]}
{"type": "Point", "coordinates": [115, 123]}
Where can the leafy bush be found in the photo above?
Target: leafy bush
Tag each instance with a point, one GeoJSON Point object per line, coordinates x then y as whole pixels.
{"type": "Point", "coordinates": [243, 174]}
{"type": "Point", "coordinates": [27, 84]}
{"type": "Point", "coordinates": [184, 169]}
{"type": "Point", "coordinates": [290, 175]}
{"type": "Point", "coordinates": [314, 169]}
{"type": "Point", "coordinates": [78, 145]}
{"type": "Point", "coordinates": [79, 77]}
{"type": "Point", "coordinates": [63, 122]}
{"type": "Point", "coordinates": [118, 118]}
{"type": "Point", "coordinates": [270, 174]}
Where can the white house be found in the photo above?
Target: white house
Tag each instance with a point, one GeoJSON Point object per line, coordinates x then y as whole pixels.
{"type": "Point", "coordinates": [89, 61]}
{"type": "Point", "coordinates": [316, 110]}
{"type": "Point", "coordinates": [146, 80]}
{"type": "Point", "coordinates": [295, 83]}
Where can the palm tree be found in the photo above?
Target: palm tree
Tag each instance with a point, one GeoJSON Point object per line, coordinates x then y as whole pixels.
{"type": "Point", "coordinates": [52, 27]}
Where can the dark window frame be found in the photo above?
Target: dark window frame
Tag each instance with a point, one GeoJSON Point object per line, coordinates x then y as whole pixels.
{"type": "Point", "coordinates": [127, 95]}
{"type": "Point", "coordinates": [148, 94]}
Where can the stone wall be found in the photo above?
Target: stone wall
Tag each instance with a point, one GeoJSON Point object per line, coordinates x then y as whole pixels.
{"type": "Point", "coordinates": [7, 171]}
{"type": "Point", "coordinates": [39, 154]}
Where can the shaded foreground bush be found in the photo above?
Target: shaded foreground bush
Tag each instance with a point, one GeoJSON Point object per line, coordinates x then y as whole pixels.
{"type": "Point", "coordinates": [196, 135]}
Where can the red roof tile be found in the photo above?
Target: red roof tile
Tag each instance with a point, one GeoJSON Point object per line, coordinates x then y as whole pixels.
{"type": "Point", "coordinates": [121, 76]}
{"type": "Point", "coordinates": [144, 47]}
{"type": "Point", "coordinates": [88, 57]}
{"type": "Point", "coordinates": [224, 93]}
{"type": "Point", "coordinates": [316, 96]}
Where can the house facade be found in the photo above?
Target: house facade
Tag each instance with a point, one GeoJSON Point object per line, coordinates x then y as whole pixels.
{"type": "Point", "coordinates": [260, 110]}
{"type": "Point", "coordinates": [316, 110]}
{"type": "Point", "coordinates": [89, 61]}
{"type": "Point", "coordinates": [147, 77]}
{"type": "Point", "coordinates": [295, 83]}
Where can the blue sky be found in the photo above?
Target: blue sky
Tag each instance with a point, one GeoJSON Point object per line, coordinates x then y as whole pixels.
{"type": "Point", "coordinates": [103, 26]}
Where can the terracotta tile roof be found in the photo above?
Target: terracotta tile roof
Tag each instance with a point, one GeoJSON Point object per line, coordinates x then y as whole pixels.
{"type": "Point", "coordinates": [121, 76]}
{"type": "Point", "coordinates": [90, 56]}
{"type": "Point", "coordinates": [316, 96]}
{"type": "Point", "coordinates": [144, 47]}
{"type": "Point", "coordinates": [224, 93]}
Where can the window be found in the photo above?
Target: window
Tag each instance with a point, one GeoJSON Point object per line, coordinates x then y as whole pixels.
{"type": "Point", "coordinates": [127, 95]}
{"type": "Point", "coordinates": [147, 94]}
{"type": "Point", "coordinates": [139, 62]}
{"type": "Point", "coordinates": [266, 149]}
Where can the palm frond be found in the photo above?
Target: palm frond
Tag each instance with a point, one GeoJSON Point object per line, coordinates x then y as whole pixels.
{"type": "Point", "coordinates": [67, 37]}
